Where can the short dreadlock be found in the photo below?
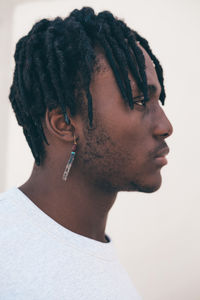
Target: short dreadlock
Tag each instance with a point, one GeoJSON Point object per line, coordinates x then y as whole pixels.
{"type": "Point", "coordinates": [57, 57]}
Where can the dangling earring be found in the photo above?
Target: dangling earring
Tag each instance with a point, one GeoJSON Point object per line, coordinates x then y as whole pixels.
{"type": "Point", "coordinates": [70, 161]}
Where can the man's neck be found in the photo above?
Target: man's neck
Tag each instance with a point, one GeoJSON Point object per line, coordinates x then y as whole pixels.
{"type": "Point", "coordinates": [74, 204]}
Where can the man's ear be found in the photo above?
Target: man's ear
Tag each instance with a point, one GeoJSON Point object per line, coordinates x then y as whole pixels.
{"type": "Point", "coordinates": [57, 125]}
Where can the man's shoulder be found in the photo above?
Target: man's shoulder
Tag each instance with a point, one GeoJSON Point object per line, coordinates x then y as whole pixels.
{"type": "Point", "coordinates": [7, 200]}
{"type": "Point", "coordinates": [8, 210]}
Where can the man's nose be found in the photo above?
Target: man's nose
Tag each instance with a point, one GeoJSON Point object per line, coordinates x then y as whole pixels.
{"type": "Point", "coordinates": [163, 128]}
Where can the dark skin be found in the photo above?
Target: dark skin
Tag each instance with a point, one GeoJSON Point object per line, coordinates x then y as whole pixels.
{"type": "Point", "coordinates": [117, 154]}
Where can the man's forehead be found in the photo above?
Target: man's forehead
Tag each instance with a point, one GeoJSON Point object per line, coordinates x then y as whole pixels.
{"type": "Point", "coordinates": [104, 70]}
{"type": "Point", "coordinates": [102, 64]}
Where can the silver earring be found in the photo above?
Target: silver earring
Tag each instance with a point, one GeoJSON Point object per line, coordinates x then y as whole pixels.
{"type": "Point", "coordinates": [70, 161]}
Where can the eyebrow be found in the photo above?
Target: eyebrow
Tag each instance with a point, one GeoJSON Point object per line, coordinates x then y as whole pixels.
{"type": "Point", "coordinates": [152, 88]}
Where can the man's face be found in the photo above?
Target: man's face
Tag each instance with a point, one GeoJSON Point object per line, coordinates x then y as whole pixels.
{"type": "Point", "coordinates": [118, 153]}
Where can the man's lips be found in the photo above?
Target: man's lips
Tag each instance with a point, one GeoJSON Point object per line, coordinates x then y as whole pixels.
{"type": "Point", "coordinates": [162, 152]}
{"type": "Point", "coordinates": [161, 160]}
{"type": "Point", "coordinates": [160, 156]}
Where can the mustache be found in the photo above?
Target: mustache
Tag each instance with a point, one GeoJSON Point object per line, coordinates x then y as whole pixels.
{"type": "Point", "coordinates": [162, 149]}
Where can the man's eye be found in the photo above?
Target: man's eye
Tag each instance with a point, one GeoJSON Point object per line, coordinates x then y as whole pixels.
{"type": "Point", "coordinates": [140, 102]}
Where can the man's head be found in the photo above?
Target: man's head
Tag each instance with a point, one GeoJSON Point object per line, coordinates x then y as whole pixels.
{"type": "Point", "coordinates": [107, 79]}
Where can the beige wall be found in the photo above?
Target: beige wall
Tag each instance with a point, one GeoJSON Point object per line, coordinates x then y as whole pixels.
{"type": "Point", "coordinates": [157, 235]}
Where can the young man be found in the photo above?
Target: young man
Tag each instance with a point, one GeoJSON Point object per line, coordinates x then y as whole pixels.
{"type": "Point", "coordinates": [87, 92]}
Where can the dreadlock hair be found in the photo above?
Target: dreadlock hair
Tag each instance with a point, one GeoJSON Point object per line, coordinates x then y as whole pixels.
{"type": "Point", "coordinates": [57, 58]}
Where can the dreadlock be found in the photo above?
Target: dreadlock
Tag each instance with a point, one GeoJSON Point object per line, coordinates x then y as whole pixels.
{"type": "Point", "coordinates": [57, 57]}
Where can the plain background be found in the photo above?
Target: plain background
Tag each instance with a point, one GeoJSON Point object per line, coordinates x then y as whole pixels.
{"type": "Point", "coordinates": [157, 235]}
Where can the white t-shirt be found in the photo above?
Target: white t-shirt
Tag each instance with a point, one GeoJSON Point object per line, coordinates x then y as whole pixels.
{"type": "Point", "coordinates": [42, 260]}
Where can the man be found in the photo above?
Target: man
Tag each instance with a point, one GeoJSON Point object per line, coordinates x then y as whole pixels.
{"type": "Point", "coordinates": [87, 92]}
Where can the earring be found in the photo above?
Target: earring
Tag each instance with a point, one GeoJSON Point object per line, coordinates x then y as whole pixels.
{"type": "Point", "coordinates": [70, 161]}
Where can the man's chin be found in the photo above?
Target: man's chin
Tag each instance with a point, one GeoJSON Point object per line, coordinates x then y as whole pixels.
{"type": "Point", "coordinates": [149, 189]}
{"type": "Point", "coordinates": [148, 186]}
